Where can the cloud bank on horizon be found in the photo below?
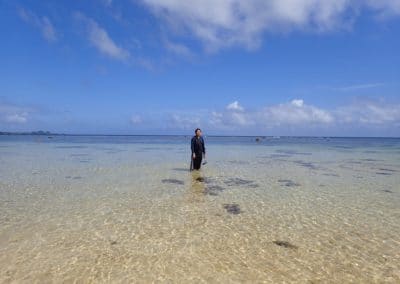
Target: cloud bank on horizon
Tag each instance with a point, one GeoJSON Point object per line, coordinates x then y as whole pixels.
{"type": "Point", "coordinates": [281, 119]}
{"type": "Point", "coordinates": [137, 66]}
{"type": "Point", "coordinates": [290, 116]}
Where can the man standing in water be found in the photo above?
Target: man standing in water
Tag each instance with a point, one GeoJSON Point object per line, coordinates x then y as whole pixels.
{"type": "Point", "coordinates": [198, 149]}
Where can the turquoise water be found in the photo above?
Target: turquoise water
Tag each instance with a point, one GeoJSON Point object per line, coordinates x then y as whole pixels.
{"type": "Point", "coordinates": [126, 208]}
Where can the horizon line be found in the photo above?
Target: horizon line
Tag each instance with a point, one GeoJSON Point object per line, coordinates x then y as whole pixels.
{"type": "Point", "coordinates": [35, 133]}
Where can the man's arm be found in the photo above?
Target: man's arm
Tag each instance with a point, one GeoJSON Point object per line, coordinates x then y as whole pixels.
{"type": "Point", "coordinates": [204, 147]}
{"type": "Point", "coordinates": [192, 146]}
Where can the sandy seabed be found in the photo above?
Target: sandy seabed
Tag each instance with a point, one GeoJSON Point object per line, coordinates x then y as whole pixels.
{"type": "Point", "coordinates": [132, 212]}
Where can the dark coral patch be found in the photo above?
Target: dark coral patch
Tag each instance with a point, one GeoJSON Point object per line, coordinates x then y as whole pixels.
{"type": "Point", "coordinates": [233, 208]}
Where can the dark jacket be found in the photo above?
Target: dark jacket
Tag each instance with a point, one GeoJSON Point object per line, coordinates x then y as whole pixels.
{"type": "Point", "coordinates": [197, 145]}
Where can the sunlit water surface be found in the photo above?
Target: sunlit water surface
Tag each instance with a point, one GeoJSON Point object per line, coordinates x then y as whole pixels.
{"type": "Point", "coordinates": [126, 209]}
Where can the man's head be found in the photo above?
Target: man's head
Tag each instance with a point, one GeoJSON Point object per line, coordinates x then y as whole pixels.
{"type": "Point", "coordinates": [197, 132]}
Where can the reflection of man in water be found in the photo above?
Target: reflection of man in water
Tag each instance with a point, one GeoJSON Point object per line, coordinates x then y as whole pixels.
{"type": "Point", "coordinates": [198, 149]}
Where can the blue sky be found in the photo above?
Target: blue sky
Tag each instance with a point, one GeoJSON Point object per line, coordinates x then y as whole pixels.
{"type": "Point", "coordinates": [277, 67]}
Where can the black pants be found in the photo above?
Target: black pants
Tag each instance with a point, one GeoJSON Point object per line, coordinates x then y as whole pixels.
{"type": "Point", "coordinates": [197, 161]}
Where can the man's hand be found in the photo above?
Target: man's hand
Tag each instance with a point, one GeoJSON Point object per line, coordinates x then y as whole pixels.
{"type": "Point", "coordinates": [194, 156]}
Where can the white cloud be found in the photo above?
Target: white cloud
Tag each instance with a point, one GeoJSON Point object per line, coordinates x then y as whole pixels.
{"type": "Point", "coordinates": [43, 23]}
{"type": "Point", "coordinates": [16, 118]}
{"type": "Point", "coordinates": [235, 106]}
{"type": "Point", "coordinates": [360, 87]}
{"type": "Point", "coordinates": [294, 113]}
{"type": "Point", "coordinates": [100, 39]}
{"type": "Point", "coordinates": [234, 116]}
{"type": "Point", "coordinates": [296, 117]}
{"type": "Point", "coordinates": [298, 103]}
{"type": "Point", "coordinates": [107, 3]}
{"type": "Point", "coordinates": [136, 119]}
{"type": "Point", "coordinates": [215, 118]}
{"type": "Point", "coordinates": [184, 121]}
{"type": "Point", "coordinates": [10, 113]}
{"type": "Point", "coordinates": [369, 113]}
{"type": "Point", "coordinates": [385, 8]}
{"type": "Point", "coordinates": [225, 23]}
{"type": "Point", "coordinates": [178, 48]}
{"type": "Point", "coordinates": [241, 119]}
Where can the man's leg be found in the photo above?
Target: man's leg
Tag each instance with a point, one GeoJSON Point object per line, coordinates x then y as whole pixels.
{"type": "Point", "coordinates": [197, 162]}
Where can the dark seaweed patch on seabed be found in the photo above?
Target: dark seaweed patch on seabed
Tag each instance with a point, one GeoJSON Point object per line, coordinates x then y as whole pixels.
{"type": "Point", "coordinates": [288, 182]}
{"type": "Point", "coordinates": [73, 177]}
{"type": "Point", "coordinates": [233, 208]}
{"type": "Point", "coordinates": [306, 164]}
{"type": "Point", "coordinates": [387, 170]}
{"type": "Point", "coordinates": [371, 160]}
{"type": "Point", "coordinates": [343, 147]}
{"type": "Point", "coordinates": [383, 173]}
{"type": "Point", "coordinates": [387, 190]}
{"type": "Point", "coordinates": [354, 162]}
{"type": "Point", "coordinates": [279, 156]}
{"type": "Point", "coordinates": [180, 169]}
{"type": "Point", "coordinates": [115, 151]}
{"type": "Point", "coordinates": [293, 152]}
{"type": "Point", "coordinates": [200, 179]}
{"type": "Point", "coordinates": [331, 175]}
{"type": "Point", "coordinates": [241, 182]}
{"type": "Point", "coordinates": [172, 181]}
{"type": "Point", "coordinates": [71, 147]}
{"type": "Point", "coordinates": [154, 148]}
{"type": "Point", "coordinates": [285, 244]}
{"type": "Point", "coordinates": [79, 155]}
{"type": "Point", "coordinates": [210, 189]}
{"type": "Point", "coordinates": [206, 180]}
{"type": "Point", "coordinates": [237, 162]}
{"type": "Point", "coordinates": [213, 190]}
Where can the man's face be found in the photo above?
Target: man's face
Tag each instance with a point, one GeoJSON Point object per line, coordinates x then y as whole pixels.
{"type": "Point", "coordinates": [198, 133]}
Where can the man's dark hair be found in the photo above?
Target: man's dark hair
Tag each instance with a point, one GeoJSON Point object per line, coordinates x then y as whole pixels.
{"type": "Point", "coordinates": [195, 132]}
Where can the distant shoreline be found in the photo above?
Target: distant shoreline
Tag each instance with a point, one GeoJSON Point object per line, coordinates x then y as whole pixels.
{"type": "Point", "coordinates": [40, 132]}
{"type": "Point", "coordinates": [48, 133]}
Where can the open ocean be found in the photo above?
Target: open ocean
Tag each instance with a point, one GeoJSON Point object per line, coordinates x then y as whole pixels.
{"type": "Point", "coordinates": [127, 209]}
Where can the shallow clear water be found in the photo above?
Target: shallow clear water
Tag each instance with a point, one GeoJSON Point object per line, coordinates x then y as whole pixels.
{"type": "Point", "coordinates": [124, 209]}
